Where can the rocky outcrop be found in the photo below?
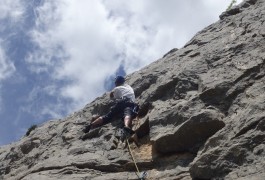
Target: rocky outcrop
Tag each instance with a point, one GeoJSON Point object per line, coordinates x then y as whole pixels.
{"type": "Point", "coordinates": [201, 117]}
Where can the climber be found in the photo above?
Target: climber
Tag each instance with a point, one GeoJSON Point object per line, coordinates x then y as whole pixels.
{"type": "Point", "coordinates": [125, 105]}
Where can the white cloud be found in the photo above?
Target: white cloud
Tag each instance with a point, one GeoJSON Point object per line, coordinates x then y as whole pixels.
{"type": "Point", "coordinates": [1, 101]}
{"type": "Point", "coordinates": [11, 9]}
{"type": "Point", "coordinates": [37, 105]}
{"type": "Point", "coordinates": [85, 41]}
{"type": "Point", "coordinates": [7, 68]}
{"type": "Point", "coordinates": [12, 12]}
{"type": "Point", "coordinates": [150, 28]}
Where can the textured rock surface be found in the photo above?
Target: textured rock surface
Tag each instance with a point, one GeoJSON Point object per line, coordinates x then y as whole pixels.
{"type": "Point", "coordinates": [202, 115]}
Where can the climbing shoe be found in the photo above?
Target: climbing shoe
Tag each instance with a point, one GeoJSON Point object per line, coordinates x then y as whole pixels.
{"type": "Point", "coordinates": [126, 133]}
{"type": "Point", "coordinates": [87, 128]}
{"type": "Point", "coordinates": [128, 130]}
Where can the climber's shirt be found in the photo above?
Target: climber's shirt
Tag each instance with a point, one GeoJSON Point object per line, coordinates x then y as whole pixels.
{"type": "Point", "coordinates": [124, 91]}
{"type": "Point", "coordinates": [124, 104]}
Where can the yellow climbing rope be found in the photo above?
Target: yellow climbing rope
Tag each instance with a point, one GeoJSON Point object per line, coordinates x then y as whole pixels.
{"type": "Point", "coordinates": [144, 174]}
{"type": "Point", "coordinates": [133, 157]}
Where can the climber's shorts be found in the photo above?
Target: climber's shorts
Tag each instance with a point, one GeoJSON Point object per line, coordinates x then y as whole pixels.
{"type": "Point", "coordinates": [128, 111]}
{"type": "Point", "coordinates": [121, 109]}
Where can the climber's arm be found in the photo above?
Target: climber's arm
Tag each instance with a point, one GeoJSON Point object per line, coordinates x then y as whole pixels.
{"type": "Point", "coordinates": [111, 94]}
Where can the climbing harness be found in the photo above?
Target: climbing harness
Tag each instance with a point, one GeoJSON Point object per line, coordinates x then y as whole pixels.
{"type": "Point", "coordinates": [140, 176]}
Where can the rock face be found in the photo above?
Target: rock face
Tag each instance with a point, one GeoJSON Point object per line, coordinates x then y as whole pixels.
{"type": "Point", "coordinates": [202, 116]}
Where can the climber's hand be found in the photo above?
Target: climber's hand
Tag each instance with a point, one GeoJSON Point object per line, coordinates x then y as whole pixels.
{"type": "Point", "coordinates": [111, 95]}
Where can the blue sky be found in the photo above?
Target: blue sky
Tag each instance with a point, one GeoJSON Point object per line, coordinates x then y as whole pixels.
{"type": "Point", "coordinates": [57, 56]}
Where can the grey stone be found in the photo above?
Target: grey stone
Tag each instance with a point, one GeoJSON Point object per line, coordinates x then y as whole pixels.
{"type": "Point", "coordinates": [190, 135]}
{"type": "Point", "coordinates": [202, 115]}
{"type": "Point", "coordinates": [28, 145]}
